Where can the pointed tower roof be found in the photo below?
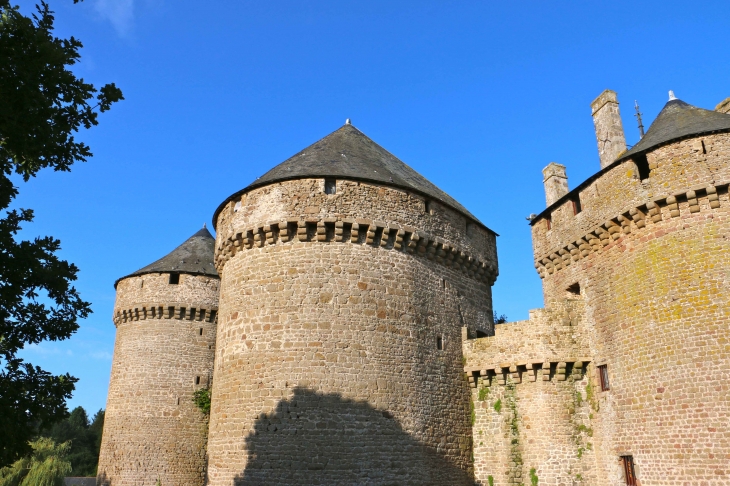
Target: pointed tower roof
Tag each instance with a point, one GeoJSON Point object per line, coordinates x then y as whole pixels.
{"type": "Point", "coordinates": [347, 153]}
{"type": "Point", "coordinates": [194, 256]}
{"type": "Point", "coordinates": [679, 120]}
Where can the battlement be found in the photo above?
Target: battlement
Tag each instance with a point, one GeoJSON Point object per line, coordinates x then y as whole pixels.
{"type": "Point", "coordinates": [359, 232]}
{"type": "Point", "coordinates": [692, 174]}
{"type": "Point", "coordinates": [142, 312]}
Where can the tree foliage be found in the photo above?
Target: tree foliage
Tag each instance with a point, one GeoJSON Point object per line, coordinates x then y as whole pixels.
{"type": "Point", "coordinates": [47, 466]}
{"type": "Point", "coordinates": [84, 437]}
{"type": "Point", "coordinates": [42, 106]}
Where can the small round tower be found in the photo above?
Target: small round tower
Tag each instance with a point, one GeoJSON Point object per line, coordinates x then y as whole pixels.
{"type": "Point", "coordinates": [347, 281]}
{"type": "Point", "coordinates": [165, 315]}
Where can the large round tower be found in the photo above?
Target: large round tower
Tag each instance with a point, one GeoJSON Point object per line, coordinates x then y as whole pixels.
{"type": "Point", "coordinates": [165, 314]}
{"type": "Point", "coordinates": [347, 281]}
{"type": "Point", "coordinates": [645, 243]}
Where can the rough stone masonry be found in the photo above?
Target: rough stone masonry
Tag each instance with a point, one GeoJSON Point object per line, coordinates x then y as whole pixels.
{"type": "Point", "coordinates": [342, 321]}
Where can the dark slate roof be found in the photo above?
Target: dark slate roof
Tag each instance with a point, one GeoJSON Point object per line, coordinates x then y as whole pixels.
{"type": "Point", "coordinates": [679, 120]}
{"type": "Point", "coordinates": [347, 153]}
{"type": "Point", "coordinates": [194, 257]}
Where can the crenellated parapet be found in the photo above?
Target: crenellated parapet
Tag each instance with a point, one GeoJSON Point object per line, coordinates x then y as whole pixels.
{"type": "Point", "coordinates": [642, 217]}
{"type": "Point", "coordinates": [144, 311]}
{"type": "Point", "coordinates": [357, 232]}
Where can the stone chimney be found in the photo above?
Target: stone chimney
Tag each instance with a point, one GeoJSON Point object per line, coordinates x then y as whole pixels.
{"type": "Point", "coordinates": [609, 130]}
{"type": "Point", "coordinates": [556, 182]}
{"type": "Point", "coordinates": [723, 106]}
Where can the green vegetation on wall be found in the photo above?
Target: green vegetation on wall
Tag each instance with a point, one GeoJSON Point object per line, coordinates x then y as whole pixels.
{"type": "Point", "coordinates": [201, 398]}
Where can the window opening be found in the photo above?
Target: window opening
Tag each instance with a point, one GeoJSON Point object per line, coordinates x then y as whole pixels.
{"type": "Point", "coordinates": [549, 222]}
{"type": "Point", "coordinates": [197, 380]}
{"type": "Point", "coordinates": [577, 208]}
{"type": "Point", "coordinates": [427, 207]}
{"type": "Point", "coordinates": [642, 164]}
{"type": "Point", "coordinates": [330, 186]}
{"type": "Point", "coordinates": [574, 289]}
{"type": "Point", "coordinates": [174, 278]}
{"type": "Point", "coordinates": [200, 332]}
{"type": "Point", "coordinates": [629, 473]}
{"type": "Point", "coordinates": [439, 343]}
{"type": "Point", "coordinates": [603, 374]}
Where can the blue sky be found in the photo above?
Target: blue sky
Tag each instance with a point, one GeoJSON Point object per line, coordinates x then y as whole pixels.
{"type": "Point", "coordinates": [477, 96]}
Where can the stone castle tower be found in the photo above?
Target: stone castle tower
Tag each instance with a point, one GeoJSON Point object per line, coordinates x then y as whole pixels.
{"type": "Point", "coordinates": [165, 314]}
{"type": "Point", "coordinates": [355, 344]}
{"type": "Point", "coordinates": [346, 280]}
{"type": "Point", "coordinates": [624, 377]}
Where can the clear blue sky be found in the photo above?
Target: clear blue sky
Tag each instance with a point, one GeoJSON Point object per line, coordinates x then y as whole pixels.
{"type": "Point", "coordinates": [478, 96]}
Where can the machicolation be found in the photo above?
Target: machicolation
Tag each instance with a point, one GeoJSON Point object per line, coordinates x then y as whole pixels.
{"type": "Point", "coordinates": [341, 323]}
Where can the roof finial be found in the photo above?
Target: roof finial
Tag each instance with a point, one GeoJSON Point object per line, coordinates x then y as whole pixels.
{"type": "Point", "coordinates": [671, 95]}
{"type": "Point", "coordinates": [638, 117]}
{"type": "Point", "coordinates": [348, 122]}
{"type": "Point", "coordinates": [203, 225]}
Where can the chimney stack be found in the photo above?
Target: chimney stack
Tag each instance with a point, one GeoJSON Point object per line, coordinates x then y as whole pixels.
{"type": "Point", "coordinates": [723, 106]}
{"type": "Point", "coordinates": [609, 130]}
{"type": "Point", "coordinates": [556, 182]}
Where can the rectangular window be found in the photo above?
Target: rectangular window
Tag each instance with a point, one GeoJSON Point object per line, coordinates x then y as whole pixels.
{"type": "Point", "coordinates": [174, 278]}
{"type": "Point", "coordinates": [330, 186]}
{"type": "Point", "coordinates": [439, 343]}
{"type": "Point", "coordinates": [197, 380]}
{"type": "Point", "coordinates": [549, 222]}
{"type": "Point", "coordinates": [627, 462]}
{"type": "Point", "coordinates": [576, 205]}
{"type": "Point", "coordinates": [603, 375]}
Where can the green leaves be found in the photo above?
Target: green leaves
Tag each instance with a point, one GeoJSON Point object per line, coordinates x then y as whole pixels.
{"type": "Point", "coordinates": [42, 106]}
{"type": "Point", "coordinates": [44, 103]}
{"type": "Point", "coordinates": [201, 398]}
{"type": "Point", "coordinates": [46, 467]}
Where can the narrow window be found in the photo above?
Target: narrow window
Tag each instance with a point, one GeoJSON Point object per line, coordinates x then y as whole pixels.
{"type": "Point", "coordinates": [574, 289]}
{"type": "Point", "coordinates": [200, 333]}
{"type": "Point", "coordinates": [427, 207]}
{"type": "Point", "coordinates": [603, 375]}
{"type": "Point", "coordinates": [330, 186]}
{"type": "Point", "coordinates": [629, 474]}
{"type": "Point", "coordinates": [197, 380]}
{"type": "Point", "coordinates": [642, 164]}
{"type": "Point", "coordinates": [439, 343]}
{"type": "Point", "coordinates": [174, 278]}
{"type": "Point", "coordinates": [576, 204]}
{"type": "Point", "coordinates": [549, 222]}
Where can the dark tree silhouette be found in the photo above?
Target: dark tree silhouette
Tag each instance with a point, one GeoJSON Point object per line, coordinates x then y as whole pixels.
{"type": "Point", "coordinates": [42, 105]}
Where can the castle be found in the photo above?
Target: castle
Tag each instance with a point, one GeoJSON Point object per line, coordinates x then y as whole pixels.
{"type": "Point", "coordinates": [342, 321]}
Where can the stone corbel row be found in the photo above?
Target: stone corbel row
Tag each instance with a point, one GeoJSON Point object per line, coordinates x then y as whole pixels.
{"type": "Point", "coordinates": [613, 229]}
{"type": "Point", "coordinates": [531, 369]}
{"type": "Point", "coordinates": [357, 231]}
{"type": "Point", "coordinates": [162, 311]}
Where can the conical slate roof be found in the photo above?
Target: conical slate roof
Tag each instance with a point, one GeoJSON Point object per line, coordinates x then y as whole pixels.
{"type": "Point", "coordinates": [347, 153]}
{"type": "Point", "coordinates": [679, 120]}
{"type": "Point", "coordinates": [194, 256]}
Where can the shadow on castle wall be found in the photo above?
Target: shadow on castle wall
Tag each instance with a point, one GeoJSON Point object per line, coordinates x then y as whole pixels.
{"type": "Point", "coordinates": [323, 439]}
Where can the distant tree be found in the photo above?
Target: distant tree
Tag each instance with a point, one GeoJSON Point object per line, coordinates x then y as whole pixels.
{"type": "Point", "coordinates": [47, 466]}
{"type": "Point", "coordinates": [42, 105]}
{"type": "Point", "coordinates": [499, 319]}
{"type": "Point", "coordinates": [84, 439]}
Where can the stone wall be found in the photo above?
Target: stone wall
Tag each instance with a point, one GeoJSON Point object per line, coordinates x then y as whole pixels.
{"type": "Point", "coordinates": [652, 261]}
{"type": "Point", "coordinates": [533, 399]}
{"type": "Point", "coordinates": [339, 355]}
{"type": "Point", "coordinates": [163, 352]}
